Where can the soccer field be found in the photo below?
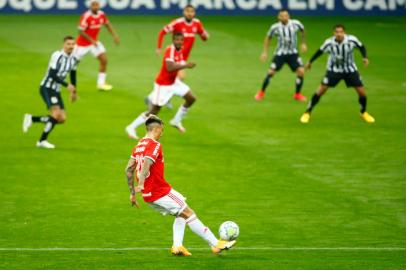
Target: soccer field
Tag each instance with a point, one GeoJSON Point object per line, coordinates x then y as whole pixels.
{"type": "Point", "coordinates": [327, 195]}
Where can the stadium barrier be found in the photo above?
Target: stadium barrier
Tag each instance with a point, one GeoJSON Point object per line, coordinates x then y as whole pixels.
{"type": "Point", "coordinates": [210, 7]}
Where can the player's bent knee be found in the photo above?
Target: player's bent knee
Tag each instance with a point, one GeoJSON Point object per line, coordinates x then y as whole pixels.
{"type": "Point", "coordinates": [186, 213]}
{"type": "Point", "coordinates": [61, 119]}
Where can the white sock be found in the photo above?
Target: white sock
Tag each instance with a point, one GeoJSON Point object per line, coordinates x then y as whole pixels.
{"type": "Point", "coordinates": [178, 231]}
{"type": "Point", "coordinates": [204, 232]}
{"type": "Point", "coordinates": [180, 114]}
{"type": "Point", "coordinates": [138, 121]}
{"type": "Point", "coordinates": [101, 79]}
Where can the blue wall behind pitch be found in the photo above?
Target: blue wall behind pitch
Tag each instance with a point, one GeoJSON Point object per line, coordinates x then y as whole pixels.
{"type": "Point", "coordinates": [211, 7]}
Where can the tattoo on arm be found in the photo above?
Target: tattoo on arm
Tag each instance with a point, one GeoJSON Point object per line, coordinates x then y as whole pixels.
{"type": "Point", "coordinates": [129, 171]}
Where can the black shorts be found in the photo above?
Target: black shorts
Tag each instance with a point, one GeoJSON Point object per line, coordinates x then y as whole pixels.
{"type": "Point", "coordinates": [51, 97]}
{"type": "Point", "coordinates": [352, 79]}
{"type": "Point", "coordinates": [293, 60]}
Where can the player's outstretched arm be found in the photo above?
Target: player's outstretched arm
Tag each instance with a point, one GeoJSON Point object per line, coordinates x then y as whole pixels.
{"type": "Point", "coordinates": [129, 171]}
{"type": "Point", "coordinates": [161, 36]}
{"type": "Point", "coordinates": [264, 54]}
{"type": "Point", "coordinates": [113, 32]}
{"type": "Point", "coordinates": [314, 57]}
{"type": "Point", "coordinates": [172, 66]}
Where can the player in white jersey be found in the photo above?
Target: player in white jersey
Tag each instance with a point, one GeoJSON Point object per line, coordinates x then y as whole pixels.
{"type": "Point", "coordinates": [286, 52]}
{"type": "Point", "coordinates": [62, 63]}
{"type": "Point", "coordinates": [340, 66]}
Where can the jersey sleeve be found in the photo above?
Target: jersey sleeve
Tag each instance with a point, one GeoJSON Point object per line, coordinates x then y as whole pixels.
{"type": "Point", "coordinates": [53, 63]}
{"type": "Point", "coordinates": [355, 40]}
{"type": "Point", "coordinates": [105, 19]}
{"type": "Point", "coordinates": [169, 54]}
{"type": "Point", "coordinates": [299, 25]}
{"type": "Point", "coordinates": [272, 31]}
{"type": "Point", "coordinates": [152, 151]}
{"type": "Point", "coordinates": [325, 47]}
{"type": "Point", "coordinates": [200, 28]}
{"type": "Point", "coordinates": [83, 24]}
{"type": "Point", "coordinates": [169, 28]}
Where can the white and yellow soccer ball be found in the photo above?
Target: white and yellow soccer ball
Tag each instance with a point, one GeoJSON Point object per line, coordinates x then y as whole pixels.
{"type": "Point", "coordinates": [229, 231]}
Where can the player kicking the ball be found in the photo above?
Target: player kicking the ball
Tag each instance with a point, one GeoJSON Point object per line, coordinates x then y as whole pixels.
{"type": "Point", "coordinates": [167, 85]}
{"type": "Point", "coordinates": [146, 164]}
{"type": "Point", "coordinates": [89, 27]}
{"type": "Point", "coordinates": [340, 66]}
{"type": "Point", "coordinates": [62, 62]}
{"type": "Point", "coordinates": [286, 52]}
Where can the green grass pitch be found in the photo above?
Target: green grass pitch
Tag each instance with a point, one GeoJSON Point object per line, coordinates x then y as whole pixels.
{"type": "Point", "coordinates": [337, 182]}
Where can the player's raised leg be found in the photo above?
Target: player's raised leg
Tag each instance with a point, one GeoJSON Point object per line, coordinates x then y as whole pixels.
{"type": "Point", "coordinates": [362, 99]}
{"type": "Point", "coordinates": [305, 118]}
{"type": "Point", "coordinates": [140, 120]}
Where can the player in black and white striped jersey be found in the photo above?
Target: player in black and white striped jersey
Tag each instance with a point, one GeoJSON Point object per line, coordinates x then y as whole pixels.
{"type": "Point", "coordinates": [61, 64]}
{"type": "Point", "coordinates": [340, 66]}
{"type": "Point", "coordinates": [286, 52]}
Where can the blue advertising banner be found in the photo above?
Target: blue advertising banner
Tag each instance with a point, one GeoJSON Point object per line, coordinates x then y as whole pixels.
{"type": "Point", "coordinates": [210, 7]}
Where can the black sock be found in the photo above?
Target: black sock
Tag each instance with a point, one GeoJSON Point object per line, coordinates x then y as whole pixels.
{"type": "Point", "coordinates": [48, 128]}
{"type": "Point", "coordinates": [363, 101]}
{"type": "Point", "coordinates": [266, 82]}
{"type": "Point", "coordinates": [315, 99]}
{"type": "Point", "coordinates": [299, 84]}
{"type": "Point", "coordinates": [42, 119]}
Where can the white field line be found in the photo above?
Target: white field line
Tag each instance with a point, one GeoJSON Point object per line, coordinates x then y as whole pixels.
{"type": "Point", "coordinates": [196, 248]}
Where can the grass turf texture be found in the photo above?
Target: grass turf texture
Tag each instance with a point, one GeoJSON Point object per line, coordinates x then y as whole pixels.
{"type": "Point", "coordinates": [337, 182]}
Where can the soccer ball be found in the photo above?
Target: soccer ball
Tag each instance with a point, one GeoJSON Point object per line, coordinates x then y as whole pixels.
{"type": "Point", "coordinates": [229, 231]}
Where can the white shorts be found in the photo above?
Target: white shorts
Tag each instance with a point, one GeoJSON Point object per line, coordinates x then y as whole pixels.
{"type": "Point", "coordinates": [173, 204]}
{"type": "Point", "coordinates": [81, 51]}
{"type": "Point", "coordinates": [163, 93]}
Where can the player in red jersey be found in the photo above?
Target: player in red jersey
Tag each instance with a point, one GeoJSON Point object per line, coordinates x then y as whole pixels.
{"type": "Point", "coordinates": [190, 27]}
{"type": "Point", "coordinates": [89, 27]}
{"type": "Point", "coordinates": [146, 164]}
{"type": "Point", "coordinates": [166, 86]}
